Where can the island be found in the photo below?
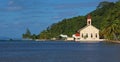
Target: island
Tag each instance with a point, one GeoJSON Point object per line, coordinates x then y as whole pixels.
{"type": "Point", "coordinates": [105, 22]}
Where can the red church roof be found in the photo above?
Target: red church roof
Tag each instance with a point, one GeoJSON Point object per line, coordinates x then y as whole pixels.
{"type": "Point", "coordinates": [89, 16]}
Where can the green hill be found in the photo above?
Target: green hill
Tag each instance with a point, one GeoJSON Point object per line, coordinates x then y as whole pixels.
{"type": "Point", "coordinates": [106, 17]}
{"type": "Point", "coordinates": [105, 14]}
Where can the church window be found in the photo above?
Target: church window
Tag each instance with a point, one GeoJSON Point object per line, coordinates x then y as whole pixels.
{"type": "Point", "coordinates": [87, 35]}
{"type": "Point", "coordinates": [96, 35]}
{"type": "Point", "coordinates": [91, 35]}
{"type": "Point", "coordinates": [82, 35]}
{"type": "Point", "coordinates": [89, 22]}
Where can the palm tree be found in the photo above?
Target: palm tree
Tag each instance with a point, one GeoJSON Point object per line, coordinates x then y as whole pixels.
{"type": "Point", "coordinates": [112, 30]}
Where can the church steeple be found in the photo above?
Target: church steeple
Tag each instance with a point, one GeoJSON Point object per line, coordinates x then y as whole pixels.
{"type": "Point", "coordinates": [89, 20]}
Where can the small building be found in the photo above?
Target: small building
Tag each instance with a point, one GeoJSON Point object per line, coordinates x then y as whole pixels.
{"type": "Point", "coordinates": [89, 32]}
{"type": "Point", "coordinates": [63, 37]}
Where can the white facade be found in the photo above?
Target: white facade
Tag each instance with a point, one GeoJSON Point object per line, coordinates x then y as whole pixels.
{"type": "Point", "coordinates": [89, 33]}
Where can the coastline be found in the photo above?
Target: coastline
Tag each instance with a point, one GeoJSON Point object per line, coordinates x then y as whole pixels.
{"type": "Point", "coordinates": [81, 41]}
{"type": "Point", "coordinates": [115, 41]}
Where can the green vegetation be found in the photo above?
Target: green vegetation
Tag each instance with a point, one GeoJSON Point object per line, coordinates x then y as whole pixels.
{"type": "Point", "coordinates": [106, 17]}
{"type": "Point", "coordinates": [67, 26]}
{"type": "Point", "coordinates": [28, 35]}
{"type": "Point", "coordinates": [112, 30]}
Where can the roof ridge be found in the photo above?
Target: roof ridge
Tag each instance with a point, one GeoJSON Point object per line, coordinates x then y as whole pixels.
{"type": "Point", "coordinates": [87, 26]}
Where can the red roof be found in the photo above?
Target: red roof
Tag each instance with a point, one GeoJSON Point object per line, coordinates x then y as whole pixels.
{"type": "Point", "coordinates": [89, 16]}
{"type": "Point", "coordinates": [77, 34]}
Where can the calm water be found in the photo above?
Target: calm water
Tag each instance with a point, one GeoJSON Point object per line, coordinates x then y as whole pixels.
{"type": "Point", "coordinates": [30, 51]}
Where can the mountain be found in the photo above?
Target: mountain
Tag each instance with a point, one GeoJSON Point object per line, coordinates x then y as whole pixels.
{"type": "Point", "coordinates": [105, 14]}
{"type": "Point", "coordinates": [4, 38]}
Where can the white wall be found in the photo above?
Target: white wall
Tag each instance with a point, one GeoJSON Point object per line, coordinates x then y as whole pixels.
{"type": "Point", "coordinates": [89, 30]}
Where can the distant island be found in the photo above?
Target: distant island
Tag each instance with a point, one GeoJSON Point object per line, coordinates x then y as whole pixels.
{"type": "Point", "coordinates": [106, 17]}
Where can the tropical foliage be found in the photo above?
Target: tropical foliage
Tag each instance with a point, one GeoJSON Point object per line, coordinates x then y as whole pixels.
{"type": "Point", "coordinates": [112, 30]}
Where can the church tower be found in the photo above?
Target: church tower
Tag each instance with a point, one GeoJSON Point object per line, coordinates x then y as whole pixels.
{"type": "Point", "coordinates": [89, 20]}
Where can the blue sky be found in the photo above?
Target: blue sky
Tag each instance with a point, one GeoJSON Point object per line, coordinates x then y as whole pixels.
{"type": "Point", "coordinates": [17, 15]}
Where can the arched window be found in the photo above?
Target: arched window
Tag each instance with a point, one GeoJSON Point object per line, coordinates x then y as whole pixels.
{"type": "Point", "coordinates": [91, 35]}
{"type": "Point", "coordinates": [96, 35]}
{"type": "Point", "coordinates": [82, 35]}
{"type": "Point", "coordinates": [87, 35]}
{"type": "Point", "coordinates": [89, 22]}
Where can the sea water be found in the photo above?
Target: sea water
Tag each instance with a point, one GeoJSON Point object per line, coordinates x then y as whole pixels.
{"type": "Point", "coordinates": [58, 51]}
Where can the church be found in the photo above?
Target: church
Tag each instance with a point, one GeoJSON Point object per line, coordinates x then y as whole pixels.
{"type": "Point", "coordinates": [87, 33]}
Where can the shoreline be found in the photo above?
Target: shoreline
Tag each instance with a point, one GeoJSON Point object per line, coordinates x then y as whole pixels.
{"type": "Point", "coordinates": [115, 41]}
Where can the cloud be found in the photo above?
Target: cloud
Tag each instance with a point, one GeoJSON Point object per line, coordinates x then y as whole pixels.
{"type": "Point", "coordinates": [75, 5]}
{"type": "Point", "coordinates": [27, 18]}
{"type": "Point", "coordinates": [65, 14]}
{"type": "Point", "coordinates": [11, 2]}
{"type": "Point", "coordinates": [36, 12]}
{"type": "Point", "coordinates": [11, 6]}
{"type": "Point", "coordinates": [14, 8]}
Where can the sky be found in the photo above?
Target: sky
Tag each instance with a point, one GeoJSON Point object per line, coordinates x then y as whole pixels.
{"type": "Point", "coordinates": [18, 15]}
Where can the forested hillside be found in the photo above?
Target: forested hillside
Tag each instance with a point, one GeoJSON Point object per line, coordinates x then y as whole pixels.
{"type": "Point", "coordinates": [106, 17]}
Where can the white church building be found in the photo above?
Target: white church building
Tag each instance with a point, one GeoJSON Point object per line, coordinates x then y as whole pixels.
{"type": "Point", "coordinates": [89, 32]}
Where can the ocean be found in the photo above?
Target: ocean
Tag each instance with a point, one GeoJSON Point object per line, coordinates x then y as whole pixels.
{"type": "Point", "coordinates": [58, 51]}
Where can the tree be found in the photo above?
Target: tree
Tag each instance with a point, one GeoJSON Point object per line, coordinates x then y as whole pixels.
{"type": "Point", "coordinates": [34, 36]}
{"type": "Point", "coordinates": [27, 35]}
{"type": "Point", "coordinates": [112, 30]}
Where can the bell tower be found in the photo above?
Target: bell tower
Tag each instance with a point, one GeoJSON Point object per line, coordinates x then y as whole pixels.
{"type": "Point", "coordinates": [89, 20]}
